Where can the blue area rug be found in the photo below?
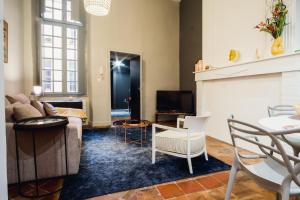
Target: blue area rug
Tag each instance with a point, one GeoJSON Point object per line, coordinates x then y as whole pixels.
{"type": "Point", "coordinates": [109, 165]}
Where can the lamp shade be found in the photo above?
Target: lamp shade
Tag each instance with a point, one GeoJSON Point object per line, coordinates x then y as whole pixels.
{"type": "Point", "coordinates": [97, 7]}
{"type": "Point", "coordinates": [37, 90]}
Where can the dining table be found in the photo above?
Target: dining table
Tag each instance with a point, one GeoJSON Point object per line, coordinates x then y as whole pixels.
{"type": "Point", "coordinates": [282, 123]}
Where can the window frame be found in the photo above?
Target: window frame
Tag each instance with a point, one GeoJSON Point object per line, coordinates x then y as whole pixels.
{"type": "Point", "coordinates": [64, 24]}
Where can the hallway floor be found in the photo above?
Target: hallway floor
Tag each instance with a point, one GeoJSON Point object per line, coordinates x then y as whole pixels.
{"type": "Point", "coordinates": [118, 113]}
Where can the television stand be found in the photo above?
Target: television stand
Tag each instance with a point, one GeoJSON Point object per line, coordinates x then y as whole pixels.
{"type": "Point", "coordinates": [157, 114]}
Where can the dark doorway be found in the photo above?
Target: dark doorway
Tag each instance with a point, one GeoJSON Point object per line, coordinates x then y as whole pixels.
{"type": "Point", "coordinates": [125, 85]}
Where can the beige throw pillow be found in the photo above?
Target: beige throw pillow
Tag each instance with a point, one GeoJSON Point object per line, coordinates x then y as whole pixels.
{"type": "Point", "coordinates": [10, 99]}
{"type": "Point", "coordinates": [39, 106]}
{"type": "Point", "coordinates": [22, 98]}
{"type": "Point", "coordinates": [9, 112]}
{"type": "Point", "coordinates": [50, 110]}
{"type": "Point", "coordinates": [24, 111]}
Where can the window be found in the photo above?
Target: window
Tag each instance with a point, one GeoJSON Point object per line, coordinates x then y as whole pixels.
{"type": "Point", "coordinates": [59, 48]}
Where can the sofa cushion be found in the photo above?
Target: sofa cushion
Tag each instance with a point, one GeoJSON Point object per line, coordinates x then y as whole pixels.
{"type": "Point", "coordinates": [7, 103]}
{"type": "Point", "coordinates": [50, 110]}
{"type": "Point", "coordinates": [39, 106]}
{"type": "Point", "coordinates": [9, 112]}
{"type": "Point", "coordinates": [176, 142]}
{"type": "Point", "coordinates": [22, 98]}
{"type": "Point", "coordinates": [24, 111]}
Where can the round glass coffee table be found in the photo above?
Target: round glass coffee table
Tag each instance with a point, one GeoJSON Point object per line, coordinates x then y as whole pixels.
{"type": "Point", "coordinates": [126, 125]}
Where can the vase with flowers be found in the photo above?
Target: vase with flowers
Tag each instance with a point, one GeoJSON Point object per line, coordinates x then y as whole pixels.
{"type": "Point", "coordinates": [275, 25]}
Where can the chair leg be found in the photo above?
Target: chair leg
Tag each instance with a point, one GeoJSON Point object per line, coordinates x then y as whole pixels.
{"type": "Point", "coordinates": [285, 195]}
{"type": "Point", "coordinates": [205, 153]}
{"type": "Point", "coordinates": [233, 172]}
{"type": "Point", "coordinates": [153, 156]}
{"type": "Point", "coordinates": [296, 152]}
{"type": "Point", "coordinates": [278, 196]}
{"type": "Point", "coordinates": [153, 145]}
{"type": "Point", "coordinates": [205, 150]}
{"type": "Point", "coordinates": [190, 165]}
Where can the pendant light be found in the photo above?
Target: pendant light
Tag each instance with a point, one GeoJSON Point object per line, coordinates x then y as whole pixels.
{"type": "Point", "coordinates": [97, 7]}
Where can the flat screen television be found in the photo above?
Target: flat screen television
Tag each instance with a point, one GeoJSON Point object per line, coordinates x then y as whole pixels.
{"type": "Point", "coordinates": [175, 101]}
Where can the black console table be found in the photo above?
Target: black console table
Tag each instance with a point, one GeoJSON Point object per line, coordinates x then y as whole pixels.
{"type": "Point", "coordinates": [157, 114]}
{"type": "Point", "coordinates": [33, 125]}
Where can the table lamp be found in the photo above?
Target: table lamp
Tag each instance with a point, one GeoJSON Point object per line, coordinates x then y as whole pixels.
{"type": "Point", "coordinates": [37, 91]}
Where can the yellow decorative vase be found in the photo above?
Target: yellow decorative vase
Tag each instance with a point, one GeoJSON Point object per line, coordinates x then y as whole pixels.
{"type": "Point", "coordinates": [277, 47]}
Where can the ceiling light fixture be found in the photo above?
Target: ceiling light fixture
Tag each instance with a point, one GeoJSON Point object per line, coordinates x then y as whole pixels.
{"type": "Point", "coordinates": [97, 7]}
{"type": "Point", "coordinates": [118, 63]}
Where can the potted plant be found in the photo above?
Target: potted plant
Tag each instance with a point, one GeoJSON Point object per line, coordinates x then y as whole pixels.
{"type": "Point", "coordinates": [275, 24]}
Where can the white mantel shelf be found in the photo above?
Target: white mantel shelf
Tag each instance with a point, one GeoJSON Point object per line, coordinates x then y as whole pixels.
{"type": "Point", "coordinates": [279, 64]}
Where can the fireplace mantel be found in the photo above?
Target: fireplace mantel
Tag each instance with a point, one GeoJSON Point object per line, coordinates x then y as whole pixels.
{"type": "Point", "coordinates": [246, 90]}
{"type": "Point", "coordinates": [278, 64]}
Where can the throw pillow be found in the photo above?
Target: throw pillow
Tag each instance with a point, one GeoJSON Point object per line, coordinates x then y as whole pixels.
{"type": "Point", "coordinates": [50, 110]}
{"type": "Point", "coordinates": [39, 106]}
{"type": "Point", "coordinates": [24, 111]}
{"type": "Point", "coordinates": [10, 99]}
{"type": "Point", "coordinates": [22, 98]}
{"type": "Point", "coordinates": [9, 112]}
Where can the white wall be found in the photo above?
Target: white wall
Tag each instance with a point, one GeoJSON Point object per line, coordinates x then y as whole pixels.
{"type": "Point", "coordinates": [297, 31]}
{"type": "Point", "coordinates": [247, 98]}
{"type": "Point", "coordinates": [230, 25]}
{"type": "Point", "coordinates": [30, 51]}
{"type": "Point", "coordinates": [3, 171]}
{"type": "Point", "coordinates": [146, 27]}
{"type": "Point", "coordinates": [13, 70]}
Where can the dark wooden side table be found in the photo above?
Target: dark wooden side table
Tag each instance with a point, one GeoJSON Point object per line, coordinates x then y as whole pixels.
{"type": "Point", "coordinates": [35, 126]}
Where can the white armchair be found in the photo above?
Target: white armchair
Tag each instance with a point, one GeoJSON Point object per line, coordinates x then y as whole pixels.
{"type": "Point", "coordinates": [187, 142]}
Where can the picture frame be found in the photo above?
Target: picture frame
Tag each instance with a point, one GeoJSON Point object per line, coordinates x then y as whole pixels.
{"type": "Point", "coordinates": [5, 41]}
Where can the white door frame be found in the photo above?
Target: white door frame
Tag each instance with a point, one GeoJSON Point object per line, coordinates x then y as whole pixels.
{"type": "Point", "coordinates": [3, 156]}
{"type": "Point", "coordinates": [141, 78]}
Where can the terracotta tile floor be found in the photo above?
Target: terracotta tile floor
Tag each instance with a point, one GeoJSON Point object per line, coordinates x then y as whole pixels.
{"type": "Point", "coordinates": [210, 187]}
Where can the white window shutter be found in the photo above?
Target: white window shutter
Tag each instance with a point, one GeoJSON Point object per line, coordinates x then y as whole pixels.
{"type": "Point", "coordinates": [75, 15]}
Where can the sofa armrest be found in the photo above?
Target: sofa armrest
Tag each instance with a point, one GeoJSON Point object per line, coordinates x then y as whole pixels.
{"type": "Point", "coordinates": [10, 133]}
{"type": "Point", "coordinates": [50, 152]}
{"type": "Point", "coordinates": [9, 126]}
{"type": "Point", "coordinates": [74, 132]}
{"type": "Point", "coordinates": [75, 125]}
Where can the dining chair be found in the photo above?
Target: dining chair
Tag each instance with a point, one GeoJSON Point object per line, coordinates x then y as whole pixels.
{"type": "Point", "coordinates": [187, 142]}
{"type": "Point", "coordinates": [276, 173]}
{"type": "Point", "coordinates": [279, 110]}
